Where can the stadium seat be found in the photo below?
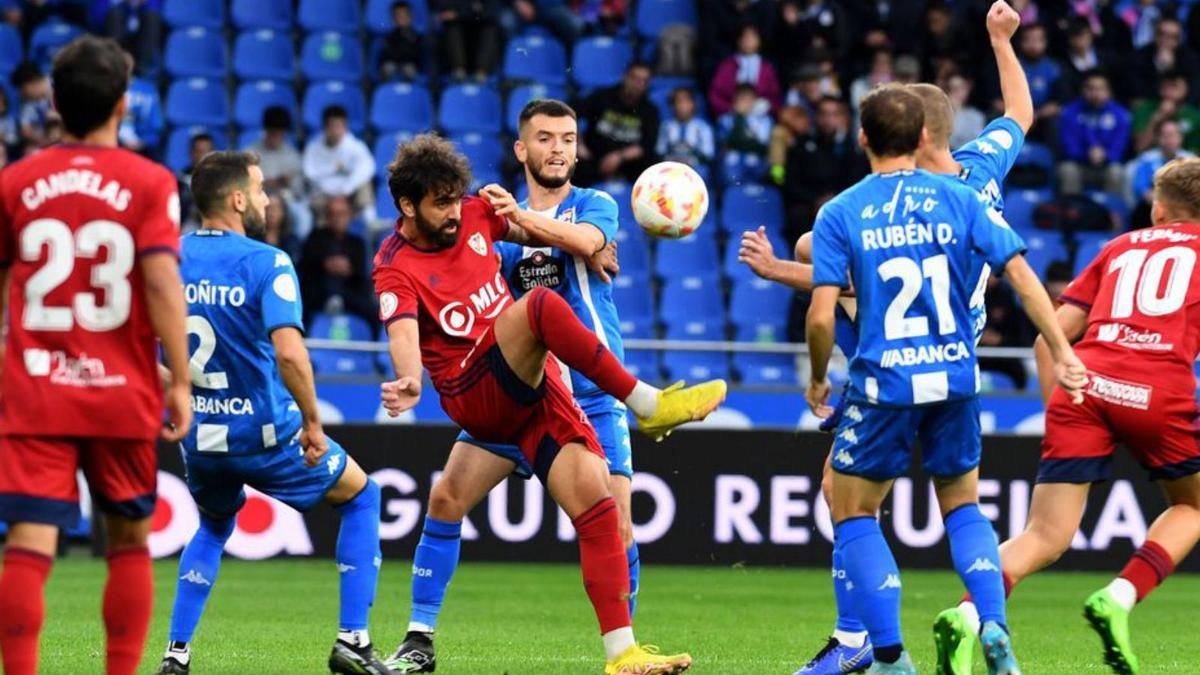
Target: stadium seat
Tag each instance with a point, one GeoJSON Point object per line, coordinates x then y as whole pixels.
{"type": "Point", "coordinates": [632, 295]}
{"type": "Point", "coordinates": [401, 106]}
{"type": "Point", "coordinates": [385, 207]}
{"type": "Point", "coordinates": [535, 59]}
{"type": "Point", "coordinates": [196, 52]}
{"type": "Point", "coordinates": [695, 366]}
{"type": "Point", "coordinates": [764, 370]}
{"type": "Point", "coordinates": [991, 380]}
{"type": "Point", "coordinates": [633, 251]}
{"type": "Point", "coordinates": [525, 93]}
{"type": "Point", "coordinates": [1038, 156]}
{"type": "Point", "coordinates": [176, 156]}
{"type": "Point", "coordinates": [324, 94]}
{"type": "Point", "coordinates": [745, 207]}
{"type": "Point", "coordinates": [331, 56]}
{"type": "Point", "coordinates": [484, 151]}
{"type": "Point", "coordinates": [655, 15]}
{"type": "Point", "coordinates": [379, 16]}
{"type": "Point", "coordinates": [1087, 246]}
{"type": "Point", "coordinates": [264, 54]}
{"type": "Point", "coordinates": [336, 15]}
{"type": "Point", "coordinates": [11, 51]}
{"type": "Point", "coordinates": [197, 101]}
{"type": "Point", "coordinates": [737, 271]}
{"type": "Point", "coordinates": [341, 362]}
{"type": "Point", "coordinates": [691, 307]}
{"type": "Point", "coordinates": [643, 364]}
{"type": "Point", "coordinates": [620, 191]}
{"type": "Point", "coordinates": [1019, 206]}
{"type": "Point", "coordinates": [696, 254]}
{"type": "Point", "coordinates": [47, 39]}
{"type": "Point", "coordinates": [269, 14]}
{"type": "Point", "coordinates": [469, 107]}
{"type": "Point", "coordinates": [385, 149]}
{"type": "Point", "coordinates": [758, 310]}
{"type": "Point", "coordinates": [252, 98]}
{"type": "Point", "coordinates": [1117, 208]}
{"type": "Point", "coordinates": [599, 62]}
{"type": "Point", "coordinates": [203, 13]}
{"type": "Point", "coordinates": [1044, 248]}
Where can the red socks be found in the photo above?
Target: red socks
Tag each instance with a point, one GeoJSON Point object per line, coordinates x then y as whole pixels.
{"type": "Point", "coordinates": [555, 325]}
{"type": "Point", "coordinates": [1008, 586]}
{"type": "Point", "coordinates": [605, 569]}
{"type": "Point", "coordinates": [128, 597]}
{"type": "Point", "coordinates": [1147, 568]}
{"type": "Point", "coordinates": [22, 608]}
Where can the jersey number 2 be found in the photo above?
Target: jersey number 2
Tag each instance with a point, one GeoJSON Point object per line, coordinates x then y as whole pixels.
{"type": "Point", "coordinates": [1138, 263]}
{"type": "Point", "coordinates": [201, 328]}
{"type": "Point", "coordinates": [62, 248]}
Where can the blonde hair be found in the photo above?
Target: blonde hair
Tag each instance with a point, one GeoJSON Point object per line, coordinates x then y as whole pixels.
{"type": "Point", "coordinates": [939, 113]}
{"type": "Point", "coordinates": [1177, 187]}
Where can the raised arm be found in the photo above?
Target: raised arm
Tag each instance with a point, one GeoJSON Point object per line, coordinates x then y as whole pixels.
{"type": "Point", "coordinates": [1069, 370]}
{"type": "Point", "coordinates": [168, 315]}
{"type": "Point", "coordinates": [1073, 321]}
{"type": "Point", "coordinates": [404, 345]}
{"type": "Point", "coordinates": [1002, 23]}
{"type": "Point", "coordinates": [527, 227]}
{"type": "Point", "coordinates": [757, 253]}
{"type": "Point", "coordinates": [295, 369]}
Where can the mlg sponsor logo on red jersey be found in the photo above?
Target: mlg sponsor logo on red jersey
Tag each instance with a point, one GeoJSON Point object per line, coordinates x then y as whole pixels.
{"type": "Point", "coordinates": [1118, 392]}
{"type": "Point", "coordinates": [1132, 338]}
{"type": "Point", "coordinates": [458, 318]}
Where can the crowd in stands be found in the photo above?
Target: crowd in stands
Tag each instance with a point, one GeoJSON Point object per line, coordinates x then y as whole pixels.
{"type": "Point", "coordinates": [760, 96]}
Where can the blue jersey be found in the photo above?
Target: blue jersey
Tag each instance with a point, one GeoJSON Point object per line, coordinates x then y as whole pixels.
{"type": "Point", "coordinates": [238, 291]}
{"type": "Point", "coordinates": [527, 267]}
{"type": "Point", "coordinates": [908, 241]}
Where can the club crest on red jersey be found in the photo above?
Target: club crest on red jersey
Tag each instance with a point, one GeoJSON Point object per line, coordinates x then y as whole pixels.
{"type": "Point", "coordinates": [478, 243]}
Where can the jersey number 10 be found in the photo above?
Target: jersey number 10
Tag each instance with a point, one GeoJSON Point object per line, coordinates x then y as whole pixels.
{"type": "Point", "coordinates": [1140, 273]}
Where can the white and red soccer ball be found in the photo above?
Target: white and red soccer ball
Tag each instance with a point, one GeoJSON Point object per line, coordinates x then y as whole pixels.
{"type": "Point", "coordinates": [669, 200]}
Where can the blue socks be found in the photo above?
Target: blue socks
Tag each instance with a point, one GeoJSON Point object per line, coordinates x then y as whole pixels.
{"type": "Point", "coordinates": [635, 571]}
{"type": "Point", "coordinates": [197, 573]}
{"type": "Point", "coordinates": [977, 559]}
{"type": "Point", "coordinates": [847, 618]}
{"type": "Point", "coordinates": [433, 565]}
{"type": "Point", "coordinates": [358, 557]}
{"type": "Point", "coordinates": [872, 569]}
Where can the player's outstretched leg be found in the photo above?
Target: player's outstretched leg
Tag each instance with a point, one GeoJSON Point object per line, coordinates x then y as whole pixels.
{"type": "Point", "coordinates": [198, 567]}
{"type": "Point", "coordinates": [622, 491]}
{"type": "Point", "coordinates": [128, 593]}
{"type": "Point", "coordinates": [28, 557]}
{"type": "Point", "coordinates": [542, 321]}
{"type": "Point", "coordinates": [872, 569]}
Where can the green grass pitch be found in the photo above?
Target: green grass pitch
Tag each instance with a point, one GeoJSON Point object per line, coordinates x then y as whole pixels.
{"type": "Point", "coordinates": [279, 617]}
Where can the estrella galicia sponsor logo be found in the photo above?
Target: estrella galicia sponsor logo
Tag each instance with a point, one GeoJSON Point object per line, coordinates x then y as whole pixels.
{"type": "Point", "coordinates": [539, 268]}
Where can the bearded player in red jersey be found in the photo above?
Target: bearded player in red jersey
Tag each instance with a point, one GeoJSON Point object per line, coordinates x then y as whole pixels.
{"type": "Point", "coordinates": [446, 305]}
{"type": "Point", "coordinates": [89, 241]}
{"type": "Point", "coordinates": [1137, 308]}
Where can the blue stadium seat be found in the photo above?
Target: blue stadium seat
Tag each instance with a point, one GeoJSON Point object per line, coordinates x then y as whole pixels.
{"type": "Point", "coordinates": [620, 191]}
{"type": "Point", "coordinates": [196, 52]}
{"type": "Point", "coordinates": [643, 364]}
{"type": "Point", "coordinates": [599, 61]}
{"type": "Point", "coordinates": [331, 56]}
{"type": "Point", "coordinates": [197, 101]}
{"type": "Point", "coordinates": [696, 254]}
{"type": "Point", "coordinates": [695, 366]}
{"type": "Point", "coordinates": [691, 307]}
{"type": "Point", "coordinates": [655, 15]}
{"type": "Point", "coordinates": [1044, 248]}
{"type": "Point", "coordinates": [632, 294]}
{"type": "Point", "coordinates": [341, 362]}
{"type": "Point", "coordinates": [324, 94]}
{"type": "Point", "coordinates": [385, 149]}
{"type": "Point", "coordinates": [484, 151]}
{"type": "Point", "coordinates": [1087, 246]}
{"type": "Point", "coordinates": [401, 106]}
{"type": "Point", "coordinates": [469, 107]}
{"type": "Point", "coordinates": [11, 51]}
{"type": "Point", "coordinates": [252, 98]}
{"type": "Point", "coordinates": [383, 360]}
{"type": "Point", "coordinates": [385, 207]}
{"type": "Point", "coordinates": [745, 207]}
{"type": "Point", "coordinates": [736, 271]}
{"type": "Point", "coordinates": [536, 59]}
{"type": "Point", "coordinates": [1117, 208]}
{"type": "Point", "coordinates": [183, 13]}
{"type": "Point", "coordinates": [47, 39]}
{"type": "Point", "coordinates": [269, 14]}
{"type": "Point", "coordinates": [758, 310]}
{"type": "Point", "coordinates": [1036, 154]}
{"type": "Point", "coordinates": [176, 156]}
{"type": "Point", "coordinates": [525, 93]}
{"type": "Point", "coordinates": [379, 16]}
{"type": "Point", "coordinates": [765, 370]}
{"type": "Point", "coordinates": [264, 54]}
{"type": "Point", "coordinates": [336, 15]}
{"type": "Point", "coordinates": [991, 380]}
{"type": "Point", "coordinates": [1020, 204]}
{"type": "Point", "coordinates": [633, 251]}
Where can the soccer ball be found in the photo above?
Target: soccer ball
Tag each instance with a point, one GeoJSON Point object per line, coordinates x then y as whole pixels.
{"type": "Point", "coordinates": [669, 200]}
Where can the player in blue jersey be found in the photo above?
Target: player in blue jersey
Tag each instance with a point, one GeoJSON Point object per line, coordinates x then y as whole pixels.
{"type": "Point", "coordinates": [914, 375]}
{"type": "Point", "coordinates": [578, 224]}
{"type": "Point", "coordinates": [256, 420]}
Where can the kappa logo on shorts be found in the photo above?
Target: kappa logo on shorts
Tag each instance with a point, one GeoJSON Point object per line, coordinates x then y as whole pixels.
{"type": "Point", "coordinates": [854, 413]}
{"type": "Point", "coordinates": [849, 436]}
{"type": "Point", "coordinates": [478, 243]}
{"type": "Point", "coordinates": [843, 457]}
{"type": "Point", "coordinates": [333, 463]}
{"type": "Point", "coordinates": [1117, 392]}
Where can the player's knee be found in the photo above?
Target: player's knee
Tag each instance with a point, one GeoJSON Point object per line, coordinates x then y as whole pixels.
{"type": "Point", "coordinates": [1053, 540]}
{"type": "Point", "coordinates": [219, 529]}
{"type": "Point", "coordinates": [444, 504]}
{"type": "Point", "coordinates": [627, 532]}
{"type": "Point", "coordinates": [126, 532]}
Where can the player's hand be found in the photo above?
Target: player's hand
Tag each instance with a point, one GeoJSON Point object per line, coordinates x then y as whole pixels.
{"type": "Point", "coordinates": [757, 254]}
{"type": "Point", "coordinates": [312, 440]}
{"type": "Point", "coordinates": [817, 396]}
{"type": "Point", "coordinates": [502, 201]}
{"type": "Point", "coordinates": [604, 262]}
{"type": "Point", "coordinates": [1002, 21]}
{"type": "Point", "coordinates": [179, 407]}
{"type": "Point", "coordinates": [401, 395]}
{"type": "Point", "coordinates": [1071, 375]}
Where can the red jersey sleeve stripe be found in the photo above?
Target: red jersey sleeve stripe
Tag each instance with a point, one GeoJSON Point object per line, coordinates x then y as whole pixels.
{"type": "Point", "coordinates": [406, 315]}
{"type": "Point", "coordinates": [150, 250]}
{"type": "Point", "coordinates": [1066, 299]}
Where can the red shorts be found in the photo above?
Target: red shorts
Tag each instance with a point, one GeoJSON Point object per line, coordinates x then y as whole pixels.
{"type": "Point", "coordinates": [1158, 425]}
{"type": "Point", "coordinates": [492, 404]}
{"type": "Point", "coordinates": [38, 485]}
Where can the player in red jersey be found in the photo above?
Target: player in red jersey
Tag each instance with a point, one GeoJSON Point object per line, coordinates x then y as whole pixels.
{"type": "Point", "coordinates": [89, 240]}
{"type": "Point", "coordinates": [446, 305]}
{"type": "Point", "coordinates": [1137, 309]}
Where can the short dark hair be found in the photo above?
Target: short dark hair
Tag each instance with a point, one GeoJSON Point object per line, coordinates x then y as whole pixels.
{"type": "Point", "coordinates": [745, 88]}
{"type": "Point", "coordinates": [277, 117]}
{"type": "Point", "coordinates": [90, 77]}
{"type": "Point", "coordinates": [425, 165]}
{"type": "Point", "coordinates": [26, 71]}
{"type": "Point", "coordinates": [681, 91]}
{"type": "Point", "coordinates": [550, 107]}
{"type": "Point", "coordinates": [216, 175]}
{"type": "Point", "coordinates": [334, 111]}
{"type": "Point", "coordinates": [892, 119]}
{"type": "Point", "coordinates": [401, 3]}
{"type": "Point", "coordinates": [1094, 73]}
{"type": "Point", "coordinates": [202, 136]}
{"type": "Point", "coordinates": [1059, 270]}
{"type": "Point", "coordinates": [638, 64]}
{"type": "Point", "coordinates": [1173, 74]}
{"type": "Point", "coordinates": [1078, 25]}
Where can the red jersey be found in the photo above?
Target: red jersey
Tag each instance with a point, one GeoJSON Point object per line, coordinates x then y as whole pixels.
{"type": "Point", "coordinates": [455, 294]}
{"type": "Point", "coordinates": [1142, 296]}
{"type": "Point", "coordinates": [81, 351]}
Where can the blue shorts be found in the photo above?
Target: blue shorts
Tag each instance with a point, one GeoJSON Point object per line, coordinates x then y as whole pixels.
{"type": "Point", "coordinates": [877, 443]}
{"type": "Point", "coordinates": [834, 420]}
{"type": "Point", "coordinates": [216, 481]}
{"type": "Point", "coordinates": [606, 416]}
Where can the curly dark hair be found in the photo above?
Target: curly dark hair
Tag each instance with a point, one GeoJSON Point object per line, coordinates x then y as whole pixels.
{"type": "Point", "coordinates": [428, 164]}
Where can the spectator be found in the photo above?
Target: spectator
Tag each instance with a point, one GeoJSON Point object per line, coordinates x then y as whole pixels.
{"type": "Point", "coordinates": [822, 164]}
{"type": "Point", "coordinates": [138, 26]}
{"type": "Point", "coordinates": [805, 90]}
{"type": "Point", "coordinates": [1165, 54]}
{"type": "Point", "coordinates": [747, 66]}
{"type": "Point", "coordinates": [142, 128]}
{"type": "Point", "coordinates": [403, 47]}
{"type": "Point", "coordinates": [824, 24]}
{"type": "Point", "coordinates": [198, 147]}
{"type": "Point", "coordinates": [880, 72]}
{"type": "Point", "coordinates": [622, 128]}
{"type": "Point", "coordinates": [337, 163]}
{"type": "Point", "coordinates": [937, 36]}
{"type": "Point", "coordinates": [283, 167]}
{"type": "Point", "coordinates": [567, 19]}
{"type": "Point", "coordinates": [1044, 75]}
{"type": "Point", "coordinates": [883, 25]}
{"type": "Point", "coordinates": [1057, 277]}
{"type": "Point", "coordinates": [744, 133]}
{"type": "Point", "coordinates": [969, 121]}
{"type": "Point", "coordinates": [1172, 103]}
{"type": "Point", "coordinates": [1168, 134]}
{"type": "Point", "coordinates": [794, 123]}
{"type": "Point", "coordinates": [333, 262]}
{"type": "Point", "coordinates": [907, 69]}
{"type": "Point", "coordinates": [1142, 17]}
{"type": "Point", "coordinates": [1083, 57]}
{"type": "Point", "coordinates": [1094, 133]}
{"type": "Point", "coordinates": [279, 228]}
{"type": "Point", "coordinates": [1006, 327]}
{"type": "Point", "coordinates": [684, 137]}
{"type": "Point", "coordinates": [35, 109]}
{"type": "Point", "coordinates": [9, 132]}
{"type": "Point", "coordinates": [470, 36]}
